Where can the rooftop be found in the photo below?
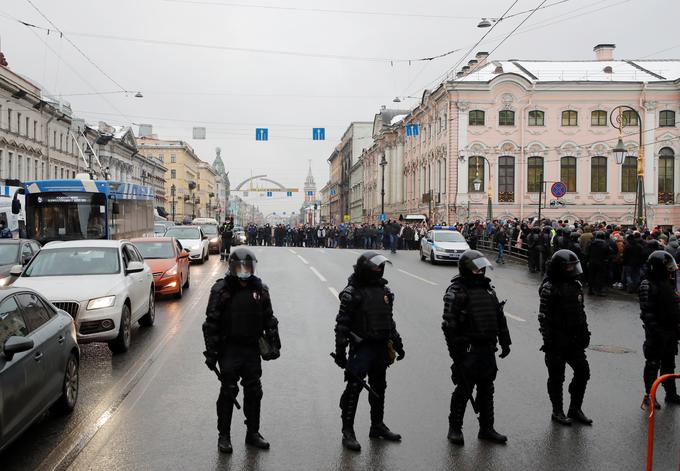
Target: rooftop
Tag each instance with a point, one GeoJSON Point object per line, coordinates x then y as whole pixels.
{"type": "Point", "coordinates": [537, 71]}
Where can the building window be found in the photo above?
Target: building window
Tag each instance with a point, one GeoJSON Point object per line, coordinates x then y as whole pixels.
{"type": "Point", "coordinates": [629, 118]}
{"type": "Point", "coordinates": [667, 118]}
{"type": "Point", "coordinates": [173, 174]}
{"type": "Point", "coordinates": [28, 121]}
{"type": "Point", "coordinates": [62, 173]}
{"type": "Point", "coordinates": [18, 123]}
{"type": "Point", "coordinates": [568, 172]}
{"type": "Point", "coordinates": [9, 164]}
{"type": "Point", "coordinates": [536, 118]}
{"type": "Point", "coordinates": [9, 119]}
{"type": "Point", "coordinates": [598, 174]}
{"type": "Point", "coordinates": [666, 176]}
{"type": "Point", "coordinates": [598, 118]}
{"type": "Point", "coordinates": [506, 118]}
{"type": "Point", "coordinates": [1, 162]}
{"type": "Point", "coordinates": [629, 174]}
{"type": "Point", "coordinates": [569, 118]}
{"type": "Point", "coordinates": [445, 121]}
{"type": "Point", "coordinates": [476, 118]}
{"type": "Point", "coordinates": [35, 131]}
{"type": "Point", "coordinates": [35, 170]}
{"type": "Point", "coordinates": [534, 174]}
{"type": "Point", "coordinates": [506, 179]}
{"type": "Point", "coordinates": [476, 167]}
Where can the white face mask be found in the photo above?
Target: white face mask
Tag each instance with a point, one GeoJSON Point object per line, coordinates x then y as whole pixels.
{"type": "Point", "coordinates": [243, 275]}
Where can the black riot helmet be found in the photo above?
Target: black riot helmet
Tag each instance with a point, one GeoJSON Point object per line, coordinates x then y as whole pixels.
{"type": "Point", "coordinates": [564, 265]}
{"type": "Point", "coordinates": [473, 261]}
{"type": "Point", "coordinates": [242, 263]}
{"type": "Point", "coordinates": [370, 266]}
{"type": "Point", "coordinates": [661, 265]}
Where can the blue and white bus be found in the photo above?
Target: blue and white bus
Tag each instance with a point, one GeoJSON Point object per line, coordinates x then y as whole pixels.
{"type": "Point", "coordinates": [87, 209]}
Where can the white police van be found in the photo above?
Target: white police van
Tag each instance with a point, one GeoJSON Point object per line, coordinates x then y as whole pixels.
{"type": "Point", "coordinates": [442, 244]}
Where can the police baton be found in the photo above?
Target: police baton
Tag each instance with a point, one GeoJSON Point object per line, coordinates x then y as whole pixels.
{"type": "Point", "coordinates": [230, 396]}
{"type": "Point", "coordinates": [466, 386]}
{"type": "Point", "coordinates": [358, 378]}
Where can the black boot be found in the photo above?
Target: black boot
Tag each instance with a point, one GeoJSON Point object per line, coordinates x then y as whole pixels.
{"type": "Point", "coordinates": [577, 390]}
{"type": "Point", "coordinates": [559, 417]}
{"type": "Point", "coordinates": [382, 431]}
{"type": "Point", "coordinates": [348, 408]}
{"type": "Point", "coordinates": [486, 415]}
{"type": "Point", "coordinates": [457, 413]}
{"type": "Point", "coordinates": [579, 416]}
{"type": "Point", "coordinates": [672, 396]}
{"type": "Point", "coordinates": [224, 444]}
{"type": "Point", "coordinates": [257, 440]}
{"type": "Point", "coordinates": [645, 402]}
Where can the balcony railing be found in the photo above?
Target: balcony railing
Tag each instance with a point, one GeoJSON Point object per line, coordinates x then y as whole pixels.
{"type": "Point", "coordinates": [506, 197]}
{"type": "Point", "coordinates": [666, 198]}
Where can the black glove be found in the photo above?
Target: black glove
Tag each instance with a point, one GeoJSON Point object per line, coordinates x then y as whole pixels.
{"type": "Point", "coordinates": [400, 354]}
{"type": "Point", "coordinates": [505, 351]}
{"type": "Point", "coordinates": [272, 355]}
{"type": "Point", "coordinates": [341, 358]}
{"type": "Point", "coordinates": [210, 359]}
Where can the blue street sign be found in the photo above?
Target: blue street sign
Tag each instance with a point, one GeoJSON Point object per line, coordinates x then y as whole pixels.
{"type": "Point", "coordinates": [319, 134]}
{"type": "Point", "coordinates": [269, 194]}
{"type": "Point", "coordinates": [261, 134]}
{"type": "Point", "coordinates": [310, 193]}
{"type": "Point", "coordinates": [558, 189]}
{"type": "Point", "coordinates": [333, 192]}
{"type": "Point", "coordinates": [382, 217]}
{"type": "Point", "coordinates": [289, 193]}
{"type": "Point", "coordinates": [411, 129]}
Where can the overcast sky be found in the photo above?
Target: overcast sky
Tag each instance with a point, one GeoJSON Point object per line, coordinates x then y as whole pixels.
{"type": "Point", "coordinates": [343, 59]}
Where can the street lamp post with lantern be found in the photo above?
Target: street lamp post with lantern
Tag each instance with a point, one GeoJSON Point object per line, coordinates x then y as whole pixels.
{"type": "Point", "coordinates": [640, 216]}
{"type": "Point", "coordinates": [173, 189]}
{"type": "Point", "coordinates": [477, 183]}
{"type": "Point", "coordinates": [383, 164]}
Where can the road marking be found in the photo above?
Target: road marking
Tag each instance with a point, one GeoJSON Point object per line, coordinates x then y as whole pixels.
{"type": "Point", "coordinates": [319, 275]}
{"type": "Point", "coordinates": [417, 277]}
{"type": "Point", "coordinates": [292, 251]}
{"type": "Point", "coordinates": [334, 292]}
{"type": "Point", "coordinates": [516, 318]}
{"type": "Point", "coordinates": [303, 260]}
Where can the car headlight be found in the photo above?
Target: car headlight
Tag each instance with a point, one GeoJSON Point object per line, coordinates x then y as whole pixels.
{"type": "Point", "coordinates": [100, 303]}
{"type": "Point", "coordinates": [4, 281]}
{"type": "Point", "coordinates": [171, 272]}
{"type": "Point", "coordinates": [214, 240]}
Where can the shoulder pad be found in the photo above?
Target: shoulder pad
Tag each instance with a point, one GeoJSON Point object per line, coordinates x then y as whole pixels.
{"type": "Point", "coordinates": [545, 288]}
{"type": "Point", "coordinates": [219, 285]}
{"type": "Point", "coordinates": [348, 294]}
{"type": "Point", "coordinates": [264, 287]}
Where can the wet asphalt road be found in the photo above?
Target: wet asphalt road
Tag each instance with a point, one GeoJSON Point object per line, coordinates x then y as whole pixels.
{"type": "Point", "coordinates": [153, 408]}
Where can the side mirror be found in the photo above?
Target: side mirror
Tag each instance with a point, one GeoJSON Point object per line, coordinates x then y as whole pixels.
{"type": "Point", "coordinates": [16, 206]}
{"type": "Point", "coordinates": [16, 270]}
{"type": "Point", "coordinates": [16, 344]}
{"type": "Point", "coordinates": [205, 237]}
{"type": "Point", "coordinates": [134, 267]}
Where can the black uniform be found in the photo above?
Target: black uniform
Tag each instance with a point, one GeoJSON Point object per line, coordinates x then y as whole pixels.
{"type": "Point", "coordinates": [366, 324]}
{"type": "Point", "coordinates": [226, 234]}
{"type": "Point", "coordinates": [660, 316]}
{"type": "Point", "coordinates": [564, 328]}
{"type": "Point", "coordinates": [238, 317]}
{"type": "Point", "coordinates": [598, 256]}
{"type": "Point", "coordinates": [533, 240]}
{"type": "Point", "coordinates": [474, 323]}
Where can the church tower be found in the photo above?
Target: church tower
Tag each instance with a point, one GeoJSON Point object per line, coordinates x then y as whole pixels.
{"type": "Point", "coordinates": [310, 187]}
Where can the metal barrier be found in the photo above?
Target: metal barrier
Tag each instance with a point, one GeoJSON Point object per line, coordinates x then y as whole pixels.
{"type": "Point", "coordinates": [512, 252]}
{"type": "Point", "coordinates": [652, 409]}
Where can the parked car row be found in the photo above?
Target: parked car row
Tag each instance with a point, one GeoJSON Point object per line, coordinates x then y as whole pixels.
{"type": "Point", "coordinates": [69, 293]}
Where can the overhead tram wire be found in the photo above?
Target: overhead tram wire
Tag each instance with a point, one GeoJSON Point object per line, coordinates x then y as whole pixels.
{"type": "Point", "coordinates": [524, 20]}
{"type": "Point", "coordinates": [75, 46]}
{"type": "Point", "coordinates": [342, 12]}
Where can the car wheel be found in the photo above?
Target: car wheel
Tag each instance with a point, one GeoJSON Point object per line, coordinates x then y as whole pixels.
{"type": "Point", "coordinates": [180, 290]}
{"type": "Point", "coordinates": [422, 256]}
{"type": "Point", "coordinates": [69, 388]}
{"type": "Point", "coordinates": [148, 319]}
{"type": "Point", "coordinates": [201, 259]}
{"type": "Point", "coordinates": [432, 260]}
{"type": "Point", "coordinates": [207, 255]}
{"type": "Point", "coordinates": [121, 343]}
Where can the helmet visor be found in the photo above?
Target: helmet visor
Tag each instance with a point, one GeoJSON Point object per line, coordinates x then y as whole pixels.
{"type": "Point", "coordinates": [378, 261]}
{"type": "Point", "coordinates": [242, 269]}
{"type": "Point", "coordinates": [670, 264]}
{"type": "Point", "coordinates": [573, 268]}
{"type": "Point", "coordinates": [479, 264]}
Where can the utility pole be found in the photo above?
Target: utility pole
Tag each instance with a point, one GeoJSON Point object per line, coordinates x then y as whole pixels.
{"type": "Point", "coordinates": [383, 164]}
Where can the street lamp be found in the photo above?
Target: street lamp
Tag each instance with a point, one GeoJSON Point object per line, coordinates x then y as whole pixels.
{"type": "Point", "coordinates": [640, 216]}
{"type": "Point", "coordinates": [173, 189]}
{"type": "Point", "coordinates": [192, 187]}
{"type": "Point", "coordinates": [487, 22]}
{"type": "Point", "coordinates": [383, 164]}
{"type": "Point", "coordinates": [477, 183]}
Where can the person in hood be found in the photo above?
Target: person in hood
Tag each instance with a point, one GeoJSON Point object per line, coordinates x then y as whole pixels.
{"type": "Point", "coordinates": [239, 328]}
{"type": "Point", "coordinates": [366, 324]}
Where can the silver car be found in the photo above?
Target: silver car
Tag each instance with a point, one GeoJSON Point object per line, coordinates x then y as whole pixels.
{"type": "Point", "coordinates": [39, 361]}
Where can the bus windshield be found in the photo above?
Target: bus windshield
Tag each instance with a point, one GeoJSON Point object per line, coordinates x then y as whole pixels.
{"type": "Point", "coordinates": [66, 216]}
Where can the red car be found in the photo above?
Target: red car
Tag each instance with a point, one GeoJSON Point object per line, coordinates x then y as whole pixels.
{"type": "Point", "coordinates": [169, 263]}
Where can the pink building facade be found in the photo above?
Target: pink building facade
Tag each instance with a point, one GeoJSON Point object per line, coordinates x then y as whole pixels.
{"type": "Point", "coordinates": [501, 128]}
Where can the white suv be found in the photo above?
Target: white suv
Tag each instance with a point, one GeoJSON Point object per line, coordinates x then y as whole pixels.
{"type": "Point", "coordinates": [104, 284]}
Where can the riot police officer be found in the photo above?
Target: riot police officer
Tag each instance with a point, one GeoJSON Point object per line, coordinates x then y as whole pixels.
{"type": "Point", "coordinates": [661, 320]}
{"type": "Point", "coordinates": [564, 328]}
{"type": "Point", "coordinates": [239, 328]}
{"type": "Point", "coordinates": [365, 323]}
{"type": "Point", "coordinates": [474, 324]}
{"type": "Point", "coordinates": [533, 239]}
{"type": "Point", "coordinates": [226, 234]}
